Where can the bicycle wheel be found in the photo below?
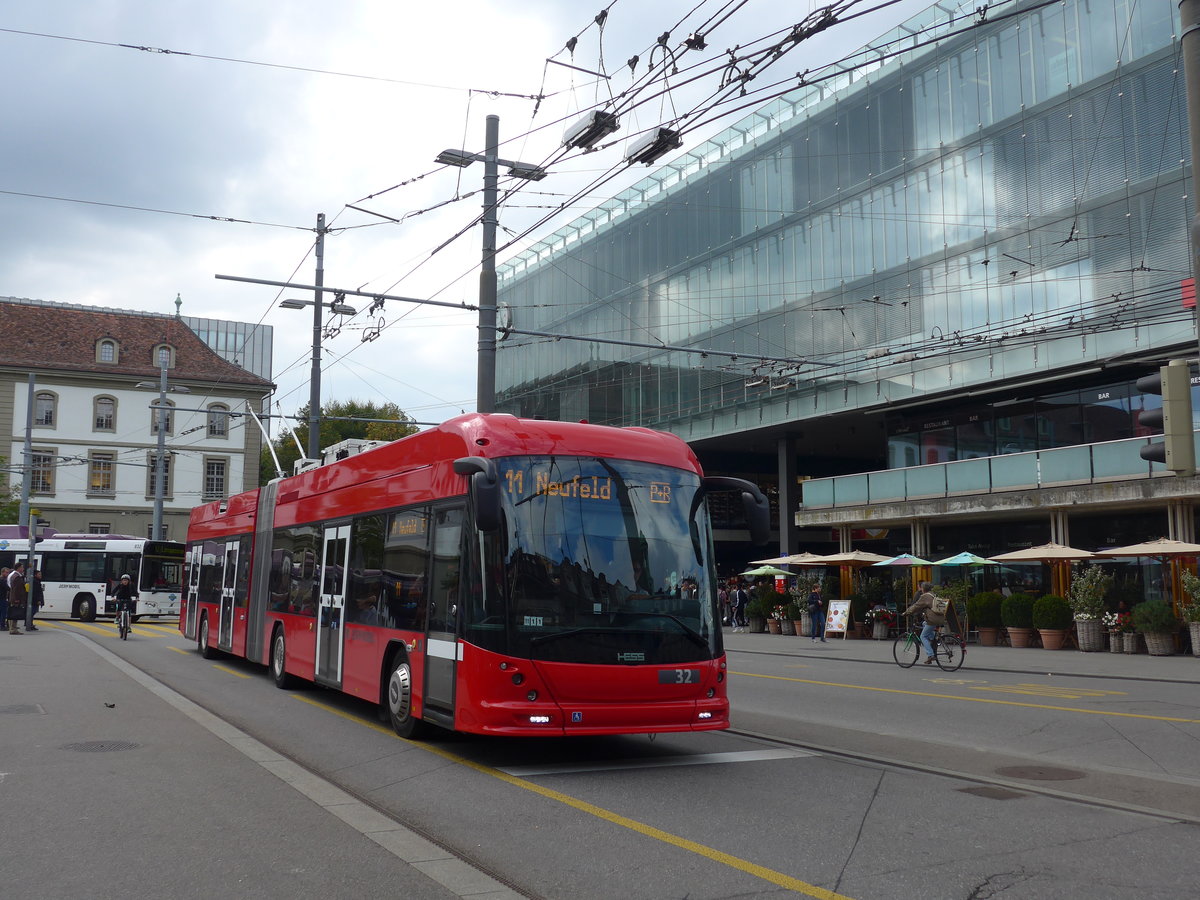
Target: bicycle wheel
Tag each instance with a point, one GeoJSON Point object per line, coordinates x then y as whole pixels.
{"type": "Point", "coordinates": [950, 652]}
{"type": "Point", "coordinates": [906, 649]}
{"type": "Point", "coordinates": [123, 627]}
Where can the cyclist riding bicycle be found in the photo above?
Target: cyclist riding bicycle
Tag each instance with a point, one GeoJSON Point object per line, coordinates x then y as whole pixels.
{"type": "Point", "coordinates": [934, 608]}
{"type": "Point", "coordinates": [126, 597]}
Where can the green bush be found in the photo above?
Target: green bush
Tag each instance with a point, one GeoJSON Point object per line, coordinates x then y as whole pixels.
{"type": "Point", "coordinates": [1155, 617]}
{"type": "Point", "coordinates": [1016, 611]}
{"type": "Point", "coordinates": [858, 606]}
{"type": "Point", "coordinates": [983, 610]}
{"type": "Point", "coordinates": [1052, 612]}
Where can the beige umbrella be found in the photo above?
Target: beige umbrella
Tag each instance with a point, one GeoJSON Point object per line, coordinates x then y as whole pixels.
{"type": "Point", "coordinates": [1049, 553]}
{"type": "Point", "coordinates": [1163, 548]}
{"type": "Point", "coordinates": [794, 559]}
{"type": "Point", "coordinates": [853, 558]}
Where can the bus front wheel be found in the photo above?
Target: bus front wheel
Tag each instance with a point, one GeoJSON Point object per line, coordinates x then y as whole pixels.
{"type": "Point", "coordinates": [279, 672]}
{"type": "Point", "coordinates": [399, 700]}
{"type": "Point", "coordinates": [202, 641]}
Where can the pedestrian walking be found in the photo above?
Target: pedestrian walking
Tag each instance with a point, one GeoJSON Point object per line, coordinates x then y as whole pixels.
{"type": "Point", "coordinates": [740, 599]}
{"type": "Point", "coordinates": [4, 594]}
{"type": "Point", "coordinates": [816, 613]}
{"type": "Point", "coordinates": [37, 599]}
{"type": "Point", "coordinates": [726, 607]}
{"type": "Point", "coordinates": [16, 598]}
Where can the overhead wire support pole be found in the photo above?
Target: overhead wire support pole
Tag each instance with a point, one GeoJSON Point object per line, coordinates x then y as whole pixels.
{"type": "Point", "coordinates": [314, 383]}
{"type": "Point", "coordinates": [1189, 45]}
{"type": "Point", "coordinates": [485, 391]}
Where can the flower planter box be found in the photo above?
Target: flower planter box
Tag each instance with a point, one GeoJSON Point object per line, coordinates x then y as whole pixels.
{"type": "Point", "coordinates": [988, 637]}
{"type": "Point", "coordinates": [786, 626]}
{"type": "Point", "coordinates": [773, 626]}
{"type": "Point", "coordinates": [1052, 638]}
{"type": "Point", "coordinates": [1020, 637]}
{"type": "Point", "coordinates": [1160, 643]}
{"type": "Point", "coordinates": [1091, 635]}
{"type": "Point", "coordinates": [1116, 642]}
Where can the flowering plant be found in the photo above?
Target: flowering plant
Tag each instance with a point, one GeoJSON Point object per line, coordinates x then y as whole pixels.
{"type": "Point", "coordinates": [880, 614]}
{"type": "Point", "coordinates": [780, 613]}
{"type": "Point", "coordinates": [1115, 621]}
{"type": "Point", "coordinates": [1190, 608]}
{"type": "Point", "coordinates": [1086, 594]}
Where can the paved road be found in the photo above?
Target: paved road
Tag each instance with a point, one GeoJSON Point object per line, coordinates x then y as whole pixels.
{"type": "Point", "coordinates": [125, 789]}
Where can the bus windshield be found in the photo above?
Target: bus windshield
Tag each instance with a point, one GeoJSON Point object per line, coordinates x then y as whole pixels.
{"type": "Point", "coordinates": [605, 561]}
{"type": "Point", "coordinates": [162, 567]}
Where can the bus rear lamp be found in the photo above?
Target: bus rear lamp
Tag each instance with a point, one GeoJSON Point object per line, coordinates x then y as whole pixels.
{"type": "Point", "coordinates": [712, 692]}
{"type": "Point", "coordinates": [539, 720]}
{"type": "Point", "coordinates": [720, 677]}
{"type": "Point", "coordinates": [531, 696]}
{"type": "Point", "coordinates": [704, 715]}
{"type": "Point", "coordinates": [518, 678]}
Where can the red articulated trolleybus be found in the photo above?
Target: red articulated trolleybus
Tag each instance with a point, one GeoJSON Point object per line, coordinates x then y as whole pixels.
{"type": "Point", "coordinates": [492, 575]}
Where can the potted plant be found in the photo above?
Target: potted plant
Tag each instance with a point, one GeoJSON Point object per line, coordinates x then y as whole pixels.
{"type": "Point", "coordinates": [1052, 619]}
{"type": "Point", "coordinates": [1155, 619]}
{"type": "Point", "coordinates": [1191, 609]}
{"type": "Point", "coordinates": [1086, 596]}
{"type": "Point", "coordinates": [782, 613]}
{"type": "Point", "coordinates": [757, 610]}
{"type": "Point", "coordinates": [1016, 613]}
{"type": "Point", "coordinates": [880, 619]}
{"type": "Point", "coordinates": [1115, 623]}
{"type": "Point", "coordinates": [796, 613]}
{"type": "Point", "coordinates": [983, 613]}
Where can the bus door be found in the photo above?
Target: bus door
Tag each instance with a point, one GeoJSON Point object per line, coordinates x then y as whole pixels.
{"type": "Point", "coordinates": [442, 658]}
{"type": "Point", "coordinates": [228, 597]}
{"type": "Point", "coordinates": [331, 610]}
{"type": "Point", "coordinates": [192, 587]}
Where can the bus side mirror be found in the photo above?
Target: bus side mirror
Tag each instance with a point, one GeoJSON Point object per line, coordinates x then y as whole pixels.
{"type": "Point", "coordinates": [484, 488]}
{"type": "Point", "coordinates": [754, 502]}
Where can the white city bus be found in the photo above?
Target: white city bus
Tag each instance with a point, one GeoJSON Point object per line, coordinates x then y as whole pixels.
{"type": "Point", "coordinates": [79, 571]}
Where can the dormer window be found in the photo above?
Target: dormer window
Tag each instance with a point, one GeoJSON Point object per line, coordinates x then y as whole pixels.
{"type": "Point", "coordinates": [164, 356]}
{"type": "Point", "coordinates": [107, 351]}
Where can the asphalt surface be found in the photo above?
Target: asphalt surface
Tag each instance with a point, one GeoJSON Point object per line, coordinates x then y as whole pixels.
{"type": "Point", "coordinates": [1024, 660]}
{"type": "Point", "coordinates": [112, 785]}
{"type": "Point", "coordinates": [119, 787]}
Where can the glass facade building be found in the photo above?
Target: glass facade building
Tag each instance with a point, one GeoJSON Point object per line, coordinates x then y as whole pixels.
{"type": "Point", "coordinates": [974, 237]}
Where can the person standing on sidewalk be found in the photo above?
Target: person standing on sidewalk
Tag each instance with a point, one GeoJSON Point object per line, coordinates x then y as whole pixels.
{"type": "Point", "coordinates": [37, 599]}
{"type": "Point", "coordinates": [816, 613]}
{"type": "Point", "coordinates": [4, 594]}
{"type": "Point", "coordinates": [16, 598]}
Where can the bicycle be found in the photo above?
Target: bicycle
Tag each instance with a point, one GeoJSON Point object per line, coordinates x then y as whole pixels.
{"type": "Point", "coordinates": [949, 651]}
{"type": "Point", "coordinates": [123, 623]}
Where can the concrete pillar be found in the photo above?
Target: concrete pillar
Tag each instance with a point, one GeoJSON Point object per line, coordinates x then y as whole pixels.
{"type": "Point", "coordinates": [789, 496]}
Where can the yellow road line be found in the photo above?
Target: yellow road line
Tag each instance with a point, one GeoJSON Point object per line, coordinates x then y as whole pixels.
{"type": "Point", "coordinates": [1086, 712]}
{"type": "Point", "coordinates": [718, 856]}
{"type": "Point", "coordinates": [181, 650]}
{"type": "Point", "coordinates": [1046, 690]}
{"type": "Point", "coordinates": [231, 671]}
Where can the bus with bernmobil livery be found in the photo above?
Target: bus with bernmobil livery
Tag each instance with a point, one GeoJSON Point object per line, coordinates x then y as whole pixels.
{"type": "Point", "coordinates": [79, 571]}
{"type": "Point", "coordinates": [491, 575]}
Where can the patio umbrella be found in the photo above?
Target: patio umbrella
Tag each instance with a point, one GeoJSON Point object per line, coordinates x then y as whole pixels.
{"type": "Point", "coordinates": [1162, 548]}
{"type": "Point", "coordinates": [1048, 553]}
{"type": "Point", "coordinates": [1059, 557]}
{"type": "Point", "coordinates": [966, 558]}
{"type": "Point", "coordinates": [773, 561]}
{"type": "Point", "coordinates": [853, 558]}
{"type": "Point", "coordinates": [794, 559]}
{"type": "Point", "coordinates": [766, 570]}
{"type": "Point", "coordinates": [904, 559]}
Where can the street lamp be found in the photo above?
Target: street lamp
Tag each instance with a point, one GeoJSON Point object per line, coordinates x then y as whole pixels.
{"type": "Point", "coordinates": [485, 400]}
{"type": "Point", "coordinates": [160, 457]}
{"type": "Point", "coordinates": [318, 304]}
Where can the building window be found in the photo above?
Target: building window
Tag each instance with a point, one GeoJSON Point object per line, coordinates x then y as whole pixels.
{"type": "Point", "coordinates": [104, 414]}
{"type": "Point", "coordinates": [218, 420]}
{"type": "Point", "coordinates": [168, 409]}
{"type": "Point", "coordinates": [101, 480]}
{"type": "Point", "coordinates": [214, 478]}
{"type": "Point", "coordinates": [164, 356]}
{"type": "Point", "coordinates": [151, 490]}
{"type": "Point", "coordinates": [162, 532]}
{"type": "Point", "coordinates": [106, 350]}
{"type": "Point", "coordinates": [42, 465]}
{"type": "Point", "coordinates": [99, 528]}
{"type": "Point", "coordinates": [45, 410]}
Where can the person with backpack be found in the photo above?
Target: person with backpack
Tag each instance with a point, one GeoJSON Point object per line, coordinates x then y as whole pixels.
{"type": "Point", "coordinates": [934, 608]}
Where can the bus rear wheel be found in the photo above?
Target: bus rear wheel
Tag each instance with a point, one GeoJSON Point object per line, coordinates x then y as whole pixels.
{"type": "Point", "coordinates": [399, 700]}
{"type": "Point", "coordinates": [279, 672]}
{"type": "Point", "coordinates": [202, 641]}
{"type": "Point", "coordinates": [85, 608]}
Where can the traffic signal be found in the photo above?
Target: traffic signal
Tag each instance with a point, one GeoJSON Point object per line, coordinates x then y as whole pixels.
{"type": "Point", "coordinates": [1177, 450]}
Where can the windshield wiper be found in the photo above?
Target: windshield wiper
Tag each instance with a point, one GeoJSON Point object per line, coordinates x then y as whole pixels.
{"type": "Point", "coordinates": [684, 627]}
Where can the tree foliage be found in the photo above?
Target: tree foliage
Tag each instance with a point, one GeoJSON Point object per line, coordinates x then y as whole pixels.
{"type": "Point", "coordinates": [10, 500]}
{"type": "Point", "coordinates": [334, 428]}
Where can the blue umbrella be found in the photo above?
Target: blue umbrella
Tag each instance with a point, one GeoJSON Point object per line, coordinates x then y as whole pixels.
{"type": "Point", "coordinates": [966, 558]}
{"type": "Point", "coordinates": [904, 559]}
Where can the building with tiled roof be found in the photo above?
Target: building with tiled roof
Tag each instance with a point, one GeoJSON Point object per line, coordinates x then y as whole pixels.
{"type": "Point", "coordinates": [95, 385]}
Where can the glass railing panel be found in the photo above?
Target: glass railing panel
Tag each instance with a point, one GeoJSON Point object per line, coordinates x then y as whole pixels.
{"type": "Point", "coordinates": [817, 493]}
{"type": "Point", "coordinates": [1119, 460]}
{"type": "Point", "coordinates": [850, 490]}
{"type": "Point", "coordinates": [926, 481]}
{"type": "Point", "coordinates": [1066, 465]}
{"type": "Point", "coordinates": [969, 476]}
{"type": "Point", "coordinates": [887, 486]}
{"type": "Point", "coordinates": [1017, 472]}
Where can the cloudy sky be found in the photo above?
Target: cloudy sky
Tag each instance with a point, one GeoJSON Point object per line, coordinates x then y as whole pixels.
{"type": "Point", "coordinates": [135, 128]}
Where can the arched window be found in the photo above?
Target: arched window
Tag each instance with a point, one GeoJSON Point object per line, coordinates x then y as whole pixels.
{"type": "Point", "coordinates": [45, 409]}
{"type": "Point", "coordinates": [104, 414]}
{"type": "Point", "coordinates": [164, 356]}
{"type": "Point", "coordinates": [168, 408]}
{"type": "Point", "coordinates": [218, 420]}
{"type": "Point", "coordinates": [107, 351]}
